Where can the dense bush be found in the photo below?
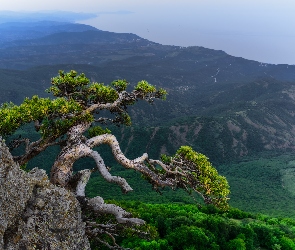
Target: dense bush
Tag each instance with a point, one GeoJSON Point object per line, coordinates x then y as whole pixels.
{"type": "Point", "coordinates": [188, 227]}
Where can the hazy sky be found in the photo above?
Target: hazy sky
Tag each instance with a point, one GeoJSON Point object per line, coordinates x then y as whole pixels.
{"type": "Point", "coordinates": [261, 30]}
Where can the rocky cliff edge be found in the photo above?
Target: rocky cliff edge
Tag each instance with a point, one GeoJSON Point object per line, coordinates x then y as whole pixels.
{"type": "Point", "coordinates": [34, 214]}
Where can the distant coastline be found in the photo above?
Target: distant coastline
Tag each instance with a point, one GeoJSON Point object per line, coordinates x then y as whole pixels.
{"type": "Point", "coordinates": [268, 45]}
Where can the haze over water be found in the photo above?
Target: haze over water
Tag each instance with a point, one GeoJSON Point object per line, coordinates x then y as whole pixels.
{"type": "Point", "coordinates": [261, 30]}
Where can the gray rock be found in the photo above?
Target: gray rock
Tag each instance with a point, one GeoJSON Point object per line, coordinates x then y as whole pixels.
{"type": "Point", "coordinates": [34, 214]}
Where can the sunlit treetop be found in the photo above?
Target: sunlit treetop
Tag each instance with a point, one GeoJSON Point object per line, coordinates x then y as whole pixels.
{"type": "Point", "coordinates": [77, 100]}
{"type": "Point", "coordinates": [193, 172]}
{"type": "Point", "coordinates": [39, 110]}
{"type": "Point", "coordinates": [78, 87]}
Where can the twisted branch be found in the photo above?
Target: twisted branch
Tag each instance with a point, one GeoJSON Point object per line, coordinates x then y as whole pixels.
{"type": "Point", "coordinates": [97, 204]}
{"type": "Point", "coordinates": [106, 174]}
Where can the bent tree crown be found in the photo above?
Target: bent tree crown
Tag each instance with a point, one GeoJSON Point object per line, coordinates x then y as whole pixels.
{"type": "Point", "coordinates": [77, 109]}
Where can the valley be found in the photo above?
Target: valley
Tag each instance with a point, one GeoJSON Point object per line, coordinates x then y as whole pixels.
{"type": "Point", "coordinates": [238, 112]}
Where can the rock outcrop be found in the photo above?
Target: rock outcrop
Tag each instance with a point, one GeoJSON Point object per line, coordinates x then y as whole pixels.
{"type": "Point", "coordinates": [34, 214]}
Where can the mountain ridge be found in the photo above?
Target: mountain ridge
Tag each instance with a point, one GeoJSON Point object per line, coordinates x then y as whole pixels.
{"type": "Point", "coordinates": [201, 83]}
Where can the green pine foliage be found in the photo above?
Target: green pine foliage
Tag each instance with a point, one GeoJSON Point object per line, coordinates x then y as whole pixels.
{"type": "Point", "coordinates": [208, 181]}
{"type": "Point", "coordinates": [97, 130]}
{"type": "Point", "coordinates": [34, 109]}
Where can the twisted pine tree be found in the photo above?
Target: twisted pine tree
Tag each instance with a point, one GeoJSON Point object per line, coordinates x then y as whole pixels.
{"type": "Point", "coordinates": [70, 120]}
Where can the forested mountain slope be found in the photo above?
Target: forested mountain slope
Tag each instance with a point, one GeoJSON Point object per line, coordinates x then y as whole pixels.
{"type": "Point", "coordinates": [223, 106]}
{"type": "Point", "coordinates": [241, 106]}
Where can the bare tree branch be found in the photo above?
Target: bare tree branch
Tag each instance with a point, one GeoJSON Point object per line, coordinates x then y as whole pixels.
{"type": "Point", "coordinates": [35, 148]}
{"type": "Point", "coordinates": [82, 178]}
{"type": "Point", "coordinates": [106, 175]}
{"type": "Point", "coordinates": [136, 164]}
{"type": "Point", "coordinates": [97, 204]}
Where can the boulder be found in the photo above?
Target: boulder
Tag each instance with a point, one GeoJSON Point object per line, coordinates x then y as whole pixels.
{"type": "Point", "coordinates": [35, 214]}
